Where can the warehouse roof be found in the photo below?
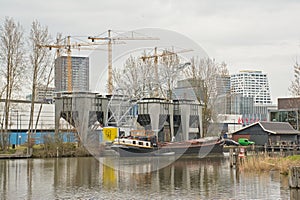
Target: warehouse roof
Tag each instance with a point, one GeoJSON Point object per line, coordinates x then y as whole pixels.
{"type": "Point", "coordinates": [274, 127]}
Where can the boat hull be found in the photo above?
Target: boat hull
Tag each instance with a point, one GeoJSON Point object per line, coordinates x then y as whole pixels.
{"type": "Point", "coordinates": [176, 148]}
{"type": "Point", "coordinates": [129, 151]}
{"type": "Point", "coordinates": [191, 149]}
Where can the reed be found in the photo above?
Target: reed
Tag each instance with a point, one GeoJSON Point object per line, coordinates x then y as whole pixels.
{"type": "Point", "coordinates": [264, 163]}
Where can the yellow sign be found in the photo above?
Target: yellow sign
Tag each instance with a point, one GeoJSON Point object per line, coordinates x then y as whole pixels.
{"type": "Point", "coordinates": [110, 133]}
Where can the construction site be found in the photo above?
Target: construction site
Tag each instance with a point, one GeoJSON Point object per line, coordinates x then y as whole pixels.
{"type": "Point", "coordinates": [78, 110]}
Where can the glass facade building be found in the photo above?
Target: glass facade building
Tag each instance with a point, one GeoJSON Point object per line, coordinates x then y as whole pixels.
{"type": "Point", "coordinates": [80, 74]}
{"type": "Point", "coordinates": [223, 85]}
{"type": "Point", "coordinates": [288, 111]}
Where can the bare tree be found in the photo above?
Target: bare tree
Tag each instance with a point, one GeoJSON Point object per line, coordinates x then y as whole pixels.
{"type": "Point", "coordinates": [128, 77]}
{"type": "Point", "coordinates": [12, 65]}
{"type": "Point", "coordinates": [40, 60]}
{"type": "Point", "coordinates": [203, 74]}
{"type": "Point", "coordinates": [136, 77]}
{"type": "Point", "coordinates": [223, 70]}
{"type": "Point", "coordinates": [168, 73]}
{"type": "Point", "coordinates": [295, 86]}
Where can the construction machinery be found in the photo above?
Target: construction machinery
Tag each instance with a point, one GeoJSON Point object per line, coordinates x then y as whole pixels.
{"type": "Point", "coordinates": [67, 46]}
{"type": "Point", "coordinates": [155, 56]}
{"type": "Point", "coordinates": [131, 35]}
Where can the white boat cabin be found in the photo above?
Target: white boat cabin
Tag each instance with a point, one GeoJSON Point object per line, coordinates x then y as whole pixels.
{"type": "Point", "coordinates": [132, 142]}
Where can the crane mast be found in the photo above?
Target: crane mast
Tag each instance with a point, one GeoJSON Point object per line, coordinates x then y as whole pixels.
{"type": "Point", "coordinates": [68, 46]}
{"type": "Point", "coordinates": [109, 46]}
{"type": "Point", "coordinates": [69, 58]}
{"type": "Point", "coordinates": [69, 65]}
{"type": "Point", "coordinates": [110, 40]}
{"type": "Point", "coordinates": [155, 56]}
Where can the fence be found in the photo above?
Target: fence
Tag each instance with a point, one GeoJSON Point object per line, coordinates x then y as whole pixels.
{"type": "Point", "coordinates": [20, 138]}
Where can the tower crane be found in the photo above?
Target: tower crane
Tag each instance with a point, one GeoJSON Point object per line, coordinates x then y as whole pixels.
{"type": "Point", "coordinates": [131, 35]}
{"type": "Point", "coordinates": [68, 46]}
{"type": "Point", "coordinates": [155, 56]}
{"type": "Point", "coordinates": [69, 61]}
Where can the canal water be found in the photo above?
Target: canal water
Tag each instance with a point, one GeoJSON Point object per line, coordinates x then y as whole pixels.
{"type": "Point", "coordinates": [121, 178]}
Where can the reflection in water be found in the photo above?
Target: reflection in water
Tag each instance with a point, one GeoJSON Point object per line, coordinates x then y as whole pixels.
{"type": "Point", "coordinates": [86, 178]}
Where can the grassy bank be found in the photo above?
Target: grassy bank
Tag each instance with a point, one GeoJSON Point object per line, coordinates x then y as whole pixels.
{"type": "Point", "coordinates": [50, 150]}
{"type": "Point", "coordinates": [62, 150]}
{"type": "Point", "coordinates": [266, 163]}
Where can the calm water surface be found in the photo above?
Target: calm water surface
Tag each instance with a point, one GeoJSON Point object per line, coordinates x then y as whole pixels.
{"type": "Point", "coordinates": [87, 178]}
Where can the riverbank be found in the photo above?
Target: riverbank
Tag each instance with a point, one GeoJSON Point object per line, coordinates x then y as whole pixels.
{"type": "Point", "coordinates": [263, 163]}
{"type": "Point", "coordinates": [46, 151]}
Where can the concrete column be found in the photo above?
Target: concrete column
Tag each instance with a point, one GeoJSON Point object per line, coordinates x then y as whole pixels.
{"type": "Point", "coordinates": [185, 118]}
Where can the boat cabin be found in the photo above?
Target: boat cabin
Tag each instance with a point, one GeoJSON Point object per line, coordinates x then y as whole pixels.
{"type": "Point", "coordinates": [138, 138]}
{"type": "Point", "coordinates": [133, 142]}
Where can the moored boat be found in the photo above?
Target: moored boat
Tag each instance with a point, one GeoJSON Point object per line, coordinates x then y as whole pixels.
{"type": "Point", "coordinates": [201, 146]}
{"type": "Point", "coordinates": [139, 143]}
{"type": "Point", "coordinates": [146, 144]}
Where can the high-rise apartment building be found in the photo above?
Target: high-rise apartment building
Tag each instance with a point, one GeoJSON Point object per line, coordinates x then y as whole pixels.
{"type": "Point", "coordinates": [251, 83]}
{"type": "Point", "coordinates": [80, 74]}
{"type": "Point", "coordinates": [223, 85]}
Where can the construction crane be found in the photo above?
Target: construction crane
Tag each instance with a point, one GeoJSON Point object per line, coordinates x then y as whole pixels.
{"type": "Point", "coordinates": [155, 56]}
{"type": "Point", "coordinates": [131, 35]}
{"type": "Point", "coordinates": [68, 46]}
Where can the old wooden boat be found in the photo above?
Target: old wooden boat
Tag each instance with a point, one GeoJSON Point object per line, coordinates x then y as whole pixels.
{"type": "Point", "coordinates": [144, 143]}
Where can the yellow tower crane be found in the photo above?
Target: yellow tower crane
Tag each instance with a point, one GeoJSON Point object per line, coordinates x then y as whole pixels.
{"type": "Point", "coordinates": [155, 56]}
{"type": "Point", "coordinates": [131, 35]}
{"type": "Point", "coordinates": [68, 46]}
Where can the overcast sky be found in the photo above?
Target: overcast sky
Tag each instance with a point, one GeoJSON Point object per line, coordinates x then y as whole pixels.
{"type": "Point", "coordinates": [254, 34]}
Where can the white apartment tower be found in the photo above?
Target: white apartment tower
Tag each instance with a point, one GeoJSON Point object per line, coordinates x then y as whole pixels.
{"type": "Point", "coordinates": [252, 83]}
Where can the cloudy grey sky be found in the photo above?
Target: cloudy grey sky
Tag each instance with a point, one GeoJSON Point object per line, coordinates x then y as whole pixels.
{"type": "Point", "coordinates": [254, 34]}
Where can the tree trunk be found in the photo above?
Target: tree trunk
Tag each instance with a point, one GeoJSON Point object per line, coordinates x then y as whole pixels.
{"type": "Point", "coordinates": [11, 51]}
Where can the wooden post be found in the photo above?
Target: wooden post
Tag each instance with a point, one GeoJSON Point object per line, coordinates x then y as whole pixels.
{"type": "Point", "coordinates": [294, 194]}
{"type": "Point", "coordinates": [234, 157]}
{"type": "Point", "coordinates": [294, 149]}
{"type": "Point", "coordinates": [231, 157]}
{"type": "Point", "coordinates": [237, 158]}
{"type": "Point", "coordinates": [294, 177]}
{"type": "Point", "coordinates": [265, 146]}
{"type": "Point", "coordinates": [281, 150]}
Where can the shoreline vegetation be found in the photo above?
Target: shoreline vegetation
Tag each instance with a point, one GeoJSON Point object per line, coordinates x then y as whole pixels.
{"type": "Point", "coordinates": [265, 163]}
{"type": "Point", "coordinates": [68, 149]}
{"type": "Point", "coordinates": [251, 163]}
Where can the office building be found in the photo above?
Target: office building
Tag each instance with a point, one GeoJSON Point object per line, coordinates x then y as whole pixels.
{"type": "Point", "coordinates": [45, 94]}
{"type": "Point", "coordinates": [251, 83]}
{"type": "Point", "coordinates": [188, 89]}
{"type": "Point", "coordinates": [288, 110]}
{"type": "Point", "coordinates": [80, 74]}
{"type": "Point", "coordinates": [223, 85]}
